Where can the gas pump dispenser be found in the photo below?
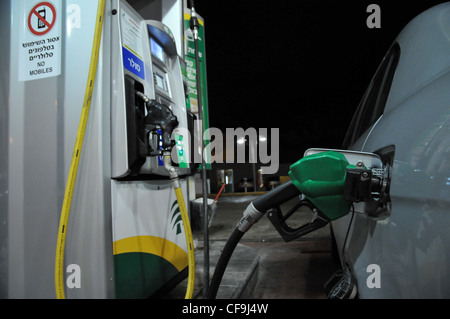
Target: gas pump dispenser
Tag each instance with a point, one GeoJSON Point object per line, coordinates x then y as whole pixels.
{"type": "Point", "coordinates": [149, 124]}
{"type": "Point", "coordinates": [93, 117]}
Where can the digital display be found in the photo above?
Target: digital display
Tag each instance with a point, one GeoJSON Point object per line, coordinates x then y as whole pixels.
{"type": "Point", "coordinates": [159, 81]}
{"type": "Point", "coordinates": [157, 50]}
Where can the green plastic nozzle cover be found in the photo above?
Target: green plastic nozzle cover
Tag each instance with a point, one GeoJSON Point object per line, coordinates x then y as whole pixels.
{"type": "Point", "coordinates": [321, 178]}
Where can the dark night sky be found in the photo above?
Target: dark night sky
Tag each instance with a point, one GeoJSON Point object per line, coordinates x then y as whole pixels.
{"type": "Point", "coordinates": [300, 66]}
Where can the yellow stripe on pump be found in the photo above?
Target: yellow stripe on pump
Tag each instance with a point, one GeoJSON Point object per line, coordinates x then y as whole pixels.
{"type": "Point", "coordinates": [65, 211]}
{"type": "Point", "coordinates": [153, 245]}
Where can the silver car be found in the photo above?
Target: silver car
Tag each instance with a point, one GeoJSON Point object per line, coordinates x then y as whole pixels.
{"type": "Point", "coordinates": [403, 249]}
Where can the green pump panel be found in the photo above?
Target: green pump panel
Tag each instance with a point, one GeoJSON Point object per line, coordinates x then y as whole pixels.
{"type": "Point", "coordinates": [191, 67]}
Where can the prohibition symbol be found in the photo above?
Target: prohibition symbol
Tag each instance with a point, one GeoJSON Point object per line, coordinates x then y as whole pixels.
{"type": "Point", "coordinates": [41, 18]}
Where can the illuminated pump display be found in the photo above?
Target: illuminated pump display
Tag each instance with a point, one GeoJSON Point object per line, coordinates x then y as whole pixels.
{"type": "Point", "coordinates": [157, 50]}
{"type": "Point", "coordinates": [160, 77]}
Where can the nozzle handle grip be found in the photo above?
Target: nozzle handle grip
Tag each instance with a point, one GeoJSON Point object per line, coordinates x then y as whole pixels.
{"type": "Point", "coordinates": [288, 233]}
{"type": "Point", "coordinates": [276, 197]}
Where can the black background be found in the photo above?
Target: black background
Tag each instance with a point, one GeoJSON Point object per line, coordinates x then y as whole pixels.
{"type": "Point", "coordinates": [300, 66]}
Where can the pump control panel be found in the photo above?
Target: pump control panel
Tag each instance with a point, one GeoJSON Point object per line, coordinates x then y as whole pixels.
{"type": "Point", "coordinates": [147, 72]}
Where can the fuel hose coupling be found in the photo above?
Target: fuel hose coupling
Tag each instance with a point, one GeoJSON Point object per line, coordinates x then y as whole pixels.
{"type": "Point", "coordinates": [193, 23]}
{"type": "Point", "coordinates": [250, 216]}
{"type": "Point", "coordinates": [257, 208]}
{"type": "Point", "coordinates": [167, 160]}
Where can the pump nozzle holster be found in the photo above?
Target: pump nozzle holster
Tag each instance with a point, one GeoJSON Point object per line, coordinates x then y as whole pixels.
{"type": "Point", "coordinates": [161, 116]}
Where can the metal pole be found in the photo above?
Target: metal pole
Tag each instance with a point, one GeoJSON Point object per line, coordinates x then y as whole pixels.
{"type": "Point", "coordinates": [253, 160]}
{"type": "Point", "coordinates": [194, 28]}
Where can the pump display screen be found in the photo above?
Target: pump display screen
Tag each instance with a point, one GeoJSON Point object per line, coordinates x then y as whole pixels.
{"type": "Point", "coordinates": [157, 50]}
{"type": "Point", "coordinates": [159, 81]}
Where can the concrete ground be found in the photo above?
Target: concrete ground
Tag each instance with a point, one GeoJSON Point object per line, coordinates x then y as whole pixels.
{"type": "Point", "coordinates": [263, 265]}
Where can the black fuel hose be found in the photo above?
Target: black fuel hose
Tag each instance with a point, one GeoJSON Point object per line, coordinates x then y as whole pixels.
{"type": "Point", "coordinates": [252, 214]}
{"type": "Point", "coordinates": [276, 197]}
{"type": "Point", "coordinates": [222, 263]}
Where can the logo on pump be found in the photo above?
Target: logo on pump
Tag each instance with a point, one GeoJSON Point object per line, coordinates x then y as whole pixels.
{"type": "Point", "coordinates": [132, 63]}
{"type": "Point", "coordinates": [176, 219]}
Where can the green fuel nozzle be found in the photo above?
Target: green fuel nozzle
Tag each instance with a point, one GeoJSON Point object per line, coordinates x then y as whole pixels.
{"type": "Point", "coordinates": [321, 179]}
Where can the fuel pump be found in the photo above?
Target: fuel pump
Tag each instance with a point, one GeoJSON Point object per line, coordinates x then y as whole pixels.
{"type": "Point", "coordinates": [152, 239]}
{"type": "Point", "coordinates": [114, 182]}
{"type": "Point", "coordinates": [326, 181]}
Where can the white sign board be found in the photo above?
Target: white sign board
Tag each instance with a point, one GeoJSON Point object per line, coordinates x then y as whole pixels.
{"type": "Point", "coordinates": [40, 40]}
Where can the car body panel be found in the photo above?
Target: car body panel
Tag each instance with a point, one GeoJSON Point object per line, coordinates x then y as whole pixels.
{"type": "Point", "coordinates": [410, 242]}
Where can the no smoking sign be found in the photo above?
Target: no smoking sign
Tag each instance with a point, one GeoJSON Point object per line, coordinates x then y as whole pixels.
{"type": "Point", "coordinates": [41, 18]}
